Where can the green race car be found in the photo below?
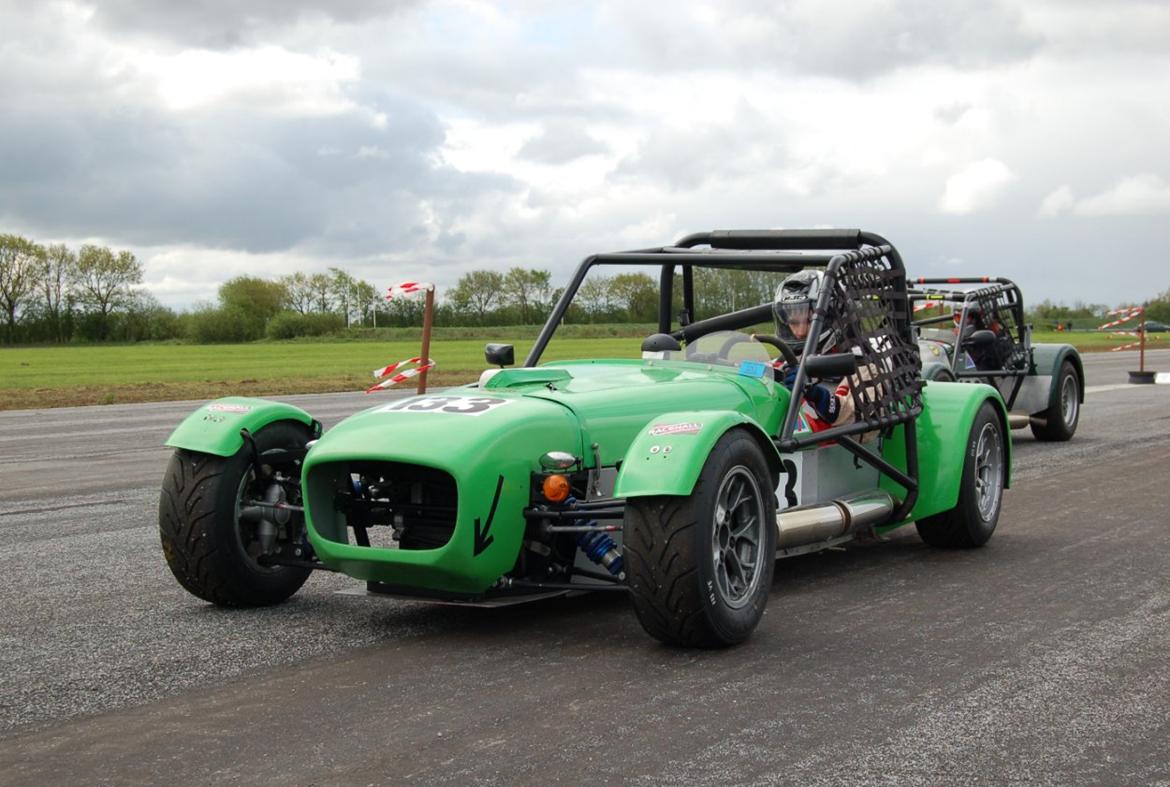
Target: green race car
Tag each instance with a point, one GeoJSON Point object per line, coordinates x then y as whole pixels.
{"type": "Point", "coordinates": [677, 477]}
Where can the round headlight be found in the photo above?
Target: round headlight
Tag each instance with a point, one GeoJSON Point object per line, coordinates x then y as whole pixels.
{"type": "Point", "coordinates": [557, 460]}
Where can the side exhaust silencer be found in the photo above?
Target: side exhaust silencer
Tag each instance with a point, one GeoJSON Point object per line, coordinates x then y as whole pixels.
{"type": "Point", "coordinates": [810, 524]}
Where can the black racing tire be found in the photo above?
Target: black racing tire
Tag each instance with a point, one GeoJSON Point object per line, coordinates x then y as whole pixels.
{"type": "Point", "coordinates": [697, 581]}
{"type": "Point", "coordinates": [1062, 417]}
{"type": "Point", "coordinates": [972, 521]}
{"type": "Point", "coordinates": [202, 537]}
{"type": "Point", "coordinates": [943, 376]}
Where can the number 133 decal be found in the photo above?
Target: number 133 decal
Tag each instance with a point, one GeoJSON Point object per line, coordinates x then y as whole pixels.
{"type": "Point", "coordinates": [459, 405]}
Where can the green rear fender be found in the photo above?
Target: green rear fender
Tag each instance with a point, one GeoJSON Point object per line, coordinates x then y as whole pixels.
{"type": "Point", "coordinates": [947, 414]}
{"type": "Point", "coordinates": [667, 455]}
{"type": "Point", "coordinates": [215, 427]}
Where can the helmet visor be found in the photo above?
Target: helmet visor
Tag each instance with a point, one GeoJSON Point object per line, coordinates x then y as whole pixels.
{"type": "Point", "coordinates": [794, 313]}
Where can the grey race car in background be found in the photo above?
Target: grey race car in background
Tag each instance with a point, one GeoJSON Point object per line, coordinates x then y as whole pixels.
{"type": "Point", "coordinates": [973, 329]}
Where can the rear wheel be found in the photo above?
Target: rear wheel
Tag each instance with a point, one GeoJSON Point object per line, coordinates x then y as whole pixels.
{"type": "Point", "coordinates": [700, 567]}
{"type": "Point", "coordinates": [1061, 418]}
{"type": "Point", "coordinates": [972, 521]}
{"type": "Point", "coordinates": [212, 539]}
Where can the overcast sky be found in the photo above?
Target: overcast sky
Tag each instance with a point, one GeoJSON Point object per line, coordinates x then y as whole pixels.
{"type": "Point", "coordinates": [419, 140]}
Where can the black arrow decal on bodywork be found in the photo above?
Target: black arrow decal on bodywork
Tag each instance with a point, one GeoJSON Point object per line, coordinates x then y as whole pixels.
{"type": "Point", "coordinates": [483, 539]}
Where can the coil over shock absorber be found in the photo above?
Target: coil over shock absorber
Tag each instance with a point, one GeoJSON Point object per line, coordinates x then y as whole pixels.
{"type": "Point", "coordinates": [598, 546]}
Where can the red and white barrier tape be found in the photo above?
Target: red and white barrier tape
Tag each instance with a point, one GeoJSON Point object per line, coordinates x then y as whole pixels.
{"type": "Point", "coordinates": [408, 288]}
{"type": "Point", "coordinates": [406, 375]}
{"type": "Point", "coordinates": [924, 305]}
{"type": "Point", "coordinates": [1129, 313]}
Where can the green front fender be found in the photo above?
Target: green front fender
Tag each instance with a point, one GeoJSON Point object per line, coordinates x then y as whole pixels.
{"type": "Point", "coordinates": [215, 427]}
{"type": "Point", "coordinates": [668, 454]}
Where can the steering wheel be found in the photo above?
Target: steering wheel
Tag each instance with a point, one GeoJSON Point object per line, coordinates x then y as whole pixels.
{"type": "Point", "coordinates": [780, 345]}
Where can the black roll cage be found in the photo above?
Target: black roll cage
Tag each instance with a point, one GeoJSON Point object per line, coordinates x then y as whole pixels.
{"type": "Point", "coordinates": [785, 251]}
{"type": "Point", "coordinates": [994, 289]}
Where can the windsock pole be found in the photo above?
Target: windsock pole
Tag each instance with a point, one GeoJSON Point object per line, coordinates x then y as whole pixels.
{"type": "Point", "coordinates": [1142, 339]}
{"type": "Point", "coordinates": [428, 314]}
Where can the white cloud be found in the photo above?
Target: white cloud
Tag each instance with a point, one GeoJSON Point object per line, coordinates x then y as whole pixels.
{"type": "Point", "coordinates": [975, 187]}
{"type": "Point", "coordinates": [264, 78]}
{"type": "Point", "coordinates": [1140, 195]}
{"type": "Point", "coordinates": [1057, 202]}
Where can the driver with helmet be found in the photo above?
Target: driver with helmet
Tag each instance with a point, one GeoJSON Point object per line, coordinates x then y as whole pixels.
{"type": "Point", "coordinates": [792, 307]}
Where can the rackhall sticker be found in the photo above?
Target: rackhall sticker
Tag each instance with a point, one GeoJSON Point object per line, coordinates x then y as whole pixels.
{"type": "Point", "coordinates": [229, 408]}
{"type": "Point", "coordinates": [662, 429]}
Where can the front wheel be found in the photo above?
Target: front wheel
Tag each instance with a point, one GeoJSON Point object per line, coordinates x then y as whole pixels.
{"type": "Point", "coordinates": [700, 567]}
{"type": "Point", "coordinates": [213, 539]}
{"type": "Point", "coordinates": [1061, 418]}
{"type": "Point", "coordinates": [972, 521]}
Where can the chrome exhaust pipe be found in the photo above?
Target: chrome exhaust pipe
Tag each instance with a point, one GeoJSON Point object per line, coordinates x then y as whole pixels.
{"type": "Point", "coordinates": [1016, 421]}
{"type": "Point", "coordinates": [810, 524]}
{"type": "Point", "coordinates": [1019, 421]}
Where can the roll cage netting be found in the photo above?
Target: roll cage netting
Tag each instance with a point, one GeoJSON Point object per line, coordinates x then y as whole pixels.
{"type": "Point", "coordinates": [999, 307]}
{"type": "Point", "coordinates": [865, 301]}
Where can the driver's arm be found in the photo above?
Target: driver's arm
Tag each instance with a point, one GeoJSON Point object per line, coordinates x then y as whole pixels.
{"type": "Point", "coordinates": [827, 404]}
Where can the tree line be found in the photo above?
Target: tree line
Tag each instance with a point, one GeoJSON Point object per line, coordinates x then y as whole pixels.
{"type": "Point", "coordinates": [50, 293]}
{"type": "Point", "coordinates": [54, 294]}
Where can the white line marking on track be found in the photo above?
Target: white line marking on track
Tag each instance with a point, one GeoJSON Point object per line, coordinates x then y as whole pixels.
{"type": "Point", "coordinates": [1118, 387]}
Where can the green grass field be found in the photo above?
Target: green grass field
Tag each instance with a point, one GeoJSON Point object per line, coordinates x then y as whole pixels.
{"type": "Point", "coordinates": [104, 374]}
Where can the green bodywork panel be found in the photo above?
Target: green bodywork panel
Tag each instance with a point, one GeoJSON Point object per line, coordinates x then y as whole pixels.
{"type": "Point", "coordinates": [477, 451]}
{"type": "Point", "coordinates": [668, 454]}
{"type": "Point", "coordinates": [215, 427]}
{"type": "Point", "coordinates": [613, 400]}
{"type": "Point", "coordinates": [948, 410]}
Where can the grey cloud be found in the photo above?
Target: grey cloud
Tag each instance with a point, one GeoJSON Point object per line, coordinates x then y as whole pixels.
{"type": "Point", "coordinates": [231, 182]}
{"type": "Point", "coordinates": [686, 158]}
{"type": "Point", "coordinates": [952, 113]}
{"type": "Point", "coordinates": [221, 24]}
{"type": "Point", "coordinates": [849, 40]}
{"type": "Point", "coordinates": [1080, 29]}
{"type": "Point", "coordinates": [560, 143]}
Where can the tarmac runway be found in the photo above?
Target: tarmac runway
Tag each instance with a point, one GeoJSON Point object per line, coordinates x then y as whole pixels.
{"type": "Point", "coordinates": [1042, 657]}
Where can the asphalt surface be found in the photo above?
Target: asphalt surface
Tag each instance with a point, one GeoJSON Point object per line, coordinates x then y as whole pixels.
{"type": "Point", "coordinates": [1042, 657]}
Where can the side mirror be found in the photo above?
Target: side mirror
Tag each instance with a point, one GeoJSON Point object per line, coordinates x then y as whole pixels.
{"type": "Point", "coordinates": [499, 354]}
{"type": "Point", "coordinates": [835, 365]}
{"type": "Point", "coordinates": [660, 342]}
{"type": "Point", "coordinates": [980, 340]}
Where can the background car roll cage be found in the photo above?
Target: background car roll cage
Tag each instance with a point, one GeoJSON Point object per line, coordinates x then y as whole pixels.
{"type": "Point", "coordinates": [1004, 303]}
{"type": "Point", "coordinates": [865, 281]}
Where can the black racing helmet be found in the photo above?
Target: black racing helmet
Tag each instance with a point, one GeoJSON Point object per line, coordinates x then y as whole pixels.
{"type": "Point", "coordinates": [793, 305]}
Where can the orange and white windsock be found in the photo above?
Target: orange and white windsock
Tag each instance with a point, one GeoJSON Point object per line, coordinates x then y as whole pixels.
{"type": "Point", "coordinates": [1127, 314]}
{"type": "Point", "coordinates": [408, 288]}
{"type": "Point", "coordinates": [401, 376]}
